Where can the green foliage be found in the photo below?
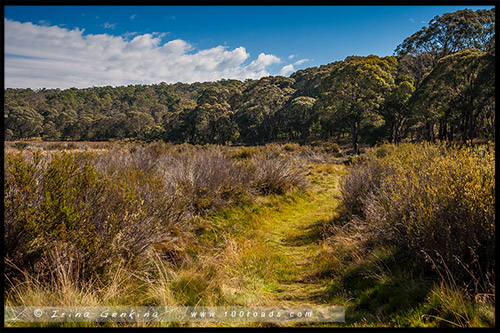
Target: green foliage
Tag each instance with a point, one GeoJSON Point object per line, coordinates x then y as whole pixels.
{"type": "Point", "coordinates": [298, 117]}
{"type": "Point", "coordinates": [452, 32]}
{"type": "Point", "coordinates": [455, 95]}
{"type": "Point", "coordinates": [22, 119]}
{"type": "Point", "coordinates": [445, 35]}
{"type": "Point", "coordinates": [354, 91]}
{"type": "Point", "coordinates": [395, 109]}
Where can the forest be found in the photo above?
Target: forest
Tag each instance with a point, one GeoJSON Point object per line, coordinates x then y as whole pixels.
{"type": "Point", "coordinates": [439, 85]}
{"type": "Point", "coordinates": [367, 183]}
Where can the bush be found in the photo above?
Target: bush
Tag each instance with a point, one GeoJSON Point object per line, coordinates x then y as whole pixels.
{"type": "Point", "coordinates": [245, 152]}
{"type": "Point", "coordinates": [273, 173]}
{"type": "Point", "coordinates": [333, 148]}
{"type": "Point", "coordinates": [207, 179]}
{"type": "Point", "coordinates": [292, 146]}
{"type": "Point", "coordinates": [64, 201]}
{"type": "Point", "coordinates": [435, 201]}
{"type": "Point", "coordinates": [20, 145]}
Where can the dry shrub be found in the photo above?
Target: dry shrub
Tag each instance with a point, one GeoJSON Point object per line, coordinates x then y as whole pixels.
{"type": "Point", "coordinates": [361, 182]}
{"type": "Point", "coordinates": [430, 199]}
{"type": "Point", "coordinates": [206, 179]}
{"type": "Point", "coordinates": [292, 146]}
{"type": "Point", "coordinates": [245, 152]}
{"type": "Point", "coordinates": [65, 200]}
{"type": "Point", "coordinates": [274, 173]}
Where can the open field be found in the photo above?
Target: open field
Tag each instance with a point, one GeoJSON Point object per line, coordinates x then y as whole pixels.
{"type": "Point", "coordinates": [104, 224]}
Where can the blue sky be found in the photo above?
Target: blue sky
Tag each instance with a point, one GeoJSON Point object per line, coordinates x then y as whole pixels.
{"type": "Point", "coordinates": [80, 46]}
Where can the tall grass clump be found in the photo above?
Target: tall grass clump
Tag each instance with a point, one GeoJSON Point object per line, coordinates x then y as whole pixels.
{"type": "Point", "coordinates": [434, 201]}
{"type": "Point", "coordinates": [207, 179]}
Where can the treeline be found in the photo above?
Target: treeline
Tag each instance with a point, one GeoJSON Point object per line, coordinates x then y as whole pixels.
{"type": "Point", "coordinates": [440, 84]}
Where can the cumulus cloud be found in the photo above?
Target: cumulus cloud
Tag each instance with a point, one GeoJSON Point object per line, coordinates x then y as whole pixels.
{"type": "Point", "coordinates": [285, 70]}
{"type": "Point", "coordinates": [54, 57]}
{"type": "Point", "coordinates": [44, 22]}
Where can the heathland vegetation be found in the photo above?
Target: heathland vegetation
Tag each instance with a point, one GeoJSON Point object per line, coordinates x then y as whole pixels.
{"type": "Point", "coordinates": [367, 183]}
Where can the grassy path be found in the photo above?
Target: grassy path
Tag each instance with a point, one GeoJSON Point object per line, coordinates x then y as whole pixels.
{"type": "Point", "coordinates": [275, 248]}
{"type": "Point", "coordinates": [297, 236]}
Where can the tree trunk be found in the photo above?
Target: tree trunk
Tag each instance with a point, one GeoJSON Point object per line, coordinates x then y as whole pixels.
{"type": "Point", "coordinates": [429, 126]}
{"type": "Point", "coordinates": [392, 130]}
{"type": "Point", "coordinates": [450, 133]}
{"type": "Point", "coordinates": [441, 131]}
{"type": "Point", "coordinates": [354, 134]}
{"type": "Point", "coordinates": [465, 125]}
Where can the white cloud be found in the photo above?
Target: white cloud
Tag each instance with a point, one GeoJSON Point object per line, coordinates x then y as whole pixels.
{"type": "Point", "coordinates": [129, 34]}
{"type": "Point", "coordinates": [108, 25]}
{"type": "Point", "coordinates": [286, 70]}
{"type": "Point", "coordinates": [411, 20]}
{"type": "Point", "coordinates": [301, 61]}
{"type": "Point", "coordinates": [133, 16]}
{"type": "Point", "coordinates": [292, 56]}
{"type": "Point", "coordinates": [264, 60]}
{"type": "Point", "coordinates": [54, 57]}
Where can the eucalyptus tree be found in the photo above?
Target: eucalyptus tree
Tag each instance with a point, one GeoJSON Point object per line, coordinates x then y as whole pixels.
{"type": "Point", "coordinates": [257, 114]}
{"type": "Point", "coordinates": [445, 35]}
{"type": "Point", "coordinates": [297, 117]}
{"type": "Point", "coordinates": [21, 120]}
{"type": "Point", "coordinates": [213, 115]}
{"type": "Point", "coordinates": [457, 94]}
{"type": "Point", "coordinates": [354, 91]}
{"type": "Point", "coordinates": [395, 109]}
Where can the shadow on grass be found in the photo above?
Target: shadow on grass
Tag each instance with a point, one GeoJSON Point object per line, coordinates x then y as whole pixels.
{"type": "Point", "coordinates": [312, 233]}
{"type": "Point", "coordinates": [379, 287]}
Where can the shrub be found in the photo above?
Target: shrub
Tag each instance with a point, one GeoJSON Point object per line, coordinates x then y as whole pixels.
{"type": "Point", "coordinates": [64, 201]}
{"type": "Point", "coordinates": [333, 148]}
{"type": "Point", "coordinates": [430, 199]}
{"type": "Point", "coordinates": [292, 147]}
{"type": "Point", "coordinates": [113, 205]}
{"type": "Point", "coordinates": [245, 152]}
{"type": "Point", "coordinates": [273, 173]}
{"type": "Point", "coordinates": [207, 179]}
{"type": "Point", "coordinates": [20, 145]}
